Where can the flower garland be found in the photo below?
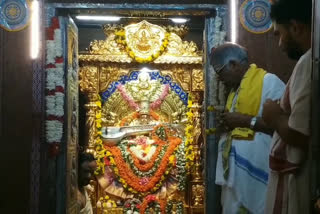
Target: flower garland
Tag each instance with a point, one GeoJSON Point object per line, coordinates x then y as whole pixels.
{"type": "Point", "coordinates": [99, 148]}
{"type": "Point", "coordinates": [130, 160]}
{"type": "Point", "coordinates": [132, 104]}
{"type": "Point", "coordinates": [181, 167]}
{"type": "Point", "coordinates": [132, 206]}
{"type": "Point", "coordinates": [121, 39]}
{"type": "Point", "coordinates": [135, 115]}
{"type": "Point", "coordinates": [189, 137]}
{"type": "Point", "coordinates": [160, 205]}
{"type": "Point", "coordinates": [179, 209]}
{"type": "Point", "coordinates": [55, 84]}
{"type": "Point", "coordinates": [106, 202]}
{"type": "Point", "coordinates": [128, 178]}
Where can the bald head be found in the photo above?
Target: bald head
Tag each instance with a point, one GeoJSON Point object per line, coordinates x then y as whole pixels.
{"type": "Point", "coordinates": [223, 54]}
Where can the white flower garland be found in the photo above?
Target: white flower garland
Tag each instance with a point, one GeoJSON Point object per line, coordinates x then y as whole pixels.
{"type": "Point", "coordinates": [55, 84]}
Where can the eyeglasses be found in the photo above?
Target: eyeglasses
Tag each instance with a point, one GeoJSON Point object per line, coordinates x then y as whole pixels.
{"type": "Point", "coordinates": [218, 70]}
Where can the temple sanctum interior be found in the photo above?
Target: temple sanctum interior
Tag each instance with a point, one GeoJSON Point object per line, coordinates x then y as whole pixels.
{"type": "Point", "coordinates": [129, 82]}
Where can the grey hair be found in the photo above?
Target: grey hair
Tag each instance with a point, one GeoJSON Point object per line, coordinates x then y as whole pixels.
{"type": "Point", "coordinates": [225, 53]}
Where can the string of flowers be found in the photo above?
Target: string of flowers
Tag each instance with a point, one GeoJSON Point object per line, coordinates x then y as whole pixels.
{"type": "Point", "coordinates": [132, 206]}
{"type": "Point", "coordinates": [121, 39]}
{"type": "Point", "coordinates": [138, 172]}
{"type": "Point", "coordinates": [179, 208]}
{"type": "Point", "coordinates": [132, 104]}
{"type": "Point", "coordinates": [142, 185]}
{"type": "Point", "coordinates": [128, 98]}
{"type": "Point", "coordinates": [99, 148]}
{"type": "Point", "coordinates": [181, 167]}
{"type": "Point", "coordinates": [55, 85]}
{"type": "Point", "coordinates": [189, 137]}
{"type": "Point", "coordinates": [106, 202]}
{"type": "Point", "coordinates": [135, 115]}
{"type": "Point", "coordinates": [160, 205]}
{"type": "Point", "coordinates": [157, 103]}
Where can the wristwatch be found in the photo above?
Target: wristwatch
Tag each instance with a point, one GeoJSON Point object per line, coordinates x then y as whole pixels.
{"type": "Point", "coordinates": [253, 122]}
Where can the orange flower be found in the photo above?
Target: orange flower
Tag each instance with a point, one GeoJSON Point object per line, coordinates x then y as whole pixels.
{"type": "Point", "coordinates": [146, 201]}
{"type": "Point", "coordinates": [133, 180]}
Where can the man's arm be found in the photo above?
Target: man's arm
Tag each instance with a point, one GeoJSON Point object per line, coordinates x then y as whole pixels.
{"type": "Point", "coordinates": [289, 135]}
{"type": "Point", "coordinates": [235, 119]}
{"type": "Point", "coordinates": [275, 118]}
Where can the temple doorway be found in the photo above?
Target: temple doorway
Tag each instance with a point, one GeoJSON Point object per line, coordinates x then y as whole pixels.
{"type": "Point", "coordinates": [132, 93]}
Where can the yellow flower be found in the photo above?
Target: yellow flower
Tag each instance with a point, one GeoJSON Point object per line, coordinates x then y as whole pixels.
{"type": "Point", "coordinates": [108, 154]}
{"type": "Point", "coordinates": [189, 114]}
{"type": "Point", "coordinates": [189, 103]}
{"type": "Point", "coordinates": [104, 205]}
{"type": "Point", "coordinates": [116, 171]}
{"type": "Point", "coordinates": [98, 115]}
{"type": "Point", "coordinates": [99, 133]}
{"type": "Point", "coordinates": [189, 148]}
{"type": "Point", "coordinates": [106, 197]}
{"type": "Point", "coordinates": [112, 161]}
{"type": "Point", "coordinates": [98, 103]}
{"type": "Point", "coordinates": [171, 159]}
{"type": "Point", "coordinates": [161, 48]}
{"type": "Point", "coordinates": [98, 124]}
{"type": "Point", "coordinates": [131, 54]}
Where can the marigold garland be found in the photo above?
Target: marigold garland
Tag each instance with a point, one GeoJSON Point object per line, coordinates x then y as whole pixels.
{"type": "Point", "coordinates": [189, 136]}
{"type": "Point", "coordinates": [129, 160]}
{"type": "Point", "coordinates": [121, 39]}
{"type": "Point", "coordinates": [152, 199]}
{"type": "Point", "coordinates": [146, 166]}
{"type": "Point", "coordinates": [127, 177]}
{"type": "Point", "coordinates": [99, 148]}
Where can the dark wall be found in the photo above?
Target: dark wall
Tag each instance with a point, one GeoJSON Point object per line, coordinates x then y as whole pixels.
{"type": "Point", "coordinates": [15, 120]}
{"type": "Point", "coordinates": [263, 51]}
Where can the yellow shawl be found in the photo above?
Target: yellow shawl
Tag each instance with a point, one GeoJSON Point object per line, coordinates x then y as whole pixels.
{"type": "Point", "coordinates": [248, 102]}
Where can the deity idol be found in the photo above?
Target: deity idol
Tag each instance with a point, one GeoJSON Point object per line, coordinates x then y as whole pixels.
{"type": "Point", "coordinates": [145, 152]}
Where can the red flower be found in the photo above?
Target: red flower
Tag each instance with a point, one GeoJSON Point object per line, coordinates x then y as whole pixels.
{"type": "Point", "coordinates": [127, 205]}
{"type": "Point", "coordinates": [106, 161]}
{"type": "Point", "coordinates": [50, 34]}
{"type": "Point", "coordinates": [59, 60]}
{"type": "Point", "coordinates": [55, 23]}
{"type": "Point", "coordinates": [138, 206]}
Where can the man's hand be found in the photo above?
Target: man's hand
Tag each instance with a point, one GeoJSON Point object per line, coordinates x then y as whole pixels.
{"type": "Point", "coordinates": [271, 113]}
{"type": "Point", "coordinates": [234, 119]}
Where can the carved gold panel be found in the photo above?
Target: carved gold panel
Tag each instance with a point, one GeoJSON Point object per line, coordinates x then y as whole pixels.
{"type": "Point", "coordinates": [197, 80]}
{"type": "Point", "coordinates": [89, 79]}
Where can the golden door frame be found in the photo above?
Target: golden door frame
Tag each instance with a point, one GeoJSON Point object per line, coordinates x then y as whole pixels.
{"type": "Point", "coordinates": [108, 60]}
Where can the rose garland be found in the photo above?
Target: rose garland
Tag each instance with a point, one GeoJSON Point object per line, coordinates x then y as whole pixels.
{"type": "Point", "coordinates": [160, 205]}
{"type": "Point", "coordinates": [121, 39]}
{"type": "Point", "coordinates": [55, 84]}
{"type": "Point", "coordinates": [132, 104]}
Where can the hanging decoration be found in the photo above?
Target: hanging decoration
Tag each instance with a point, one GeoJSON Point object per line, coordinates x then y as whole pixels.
{"type": "Point", "coordinates": [55, 87]}
{"type": "Point", "coordinates": [255, 16]}
{"type": "Point", "coordinates": [14, 14]}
